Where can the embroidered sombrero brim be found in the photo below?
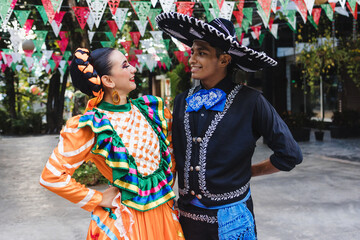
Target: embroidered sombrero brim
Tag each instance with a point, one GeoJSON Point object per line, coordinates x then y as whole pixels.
{"type": "Point", "coordinates": [186, 29]}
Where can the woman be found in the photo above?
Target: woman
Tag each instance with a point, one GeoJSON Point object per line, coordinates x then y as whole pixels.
{"type": "Point", "coordinates": [128, 140]}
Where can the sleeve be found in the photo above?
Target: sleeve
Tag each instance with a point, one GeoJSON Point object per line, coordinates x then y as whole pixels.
{"type": "Point", "coordinates": [268, 123]}
{"type": "Point", "coordinates": [168, 117]}
{"type": "Point", "coordinates": [72, 150]}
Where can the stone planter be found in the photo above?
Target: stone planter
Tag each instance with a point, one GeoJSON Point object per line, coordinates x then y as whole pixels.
{"type": "Point", "coordinates": [343, 132]}
{"type": "Point", "coordinates": [301, 134]}
{"type": "Point", "coordinates": [319, 135]}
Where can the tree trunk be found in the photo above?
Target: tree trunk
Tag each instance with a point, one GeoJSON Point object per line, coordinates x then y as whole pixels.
{"type": "Point", "coordinates": [10, 93]}
{"type": "Point", "coordinates": [52, 103]}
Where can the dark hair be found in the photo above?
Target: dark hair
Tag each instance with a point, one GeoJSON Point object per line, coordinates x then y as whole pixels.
{"type": "Point", "coordinates": [231, 67]}
{"type": "Point", "coordinates": [100, 60]}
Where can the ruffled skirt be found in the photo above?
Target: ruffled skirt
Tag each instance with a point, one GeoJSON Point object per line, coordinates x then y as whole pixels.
{"type": "Point", "coordinates": [160, 223]}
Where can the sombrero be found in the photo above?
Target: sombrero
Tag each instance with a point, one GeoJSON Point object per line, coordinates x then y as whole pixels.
{"type": "Point", "coordinates": [218, 33]}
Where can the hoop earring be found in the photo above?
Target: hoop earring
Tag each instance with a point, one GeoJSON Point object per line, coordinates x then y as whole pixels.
{"type": "Point", "coordinates": [115, 97]}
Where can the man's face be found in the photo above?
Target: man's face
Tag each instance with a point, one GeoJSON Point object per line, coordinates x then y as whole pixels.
{"type": "Point", "coordinates": [203, 61]}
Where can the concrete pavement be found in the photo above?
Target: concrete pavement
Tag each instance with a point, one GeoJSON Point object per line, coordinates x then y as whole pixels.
{"type": "Point", "coordinates": [319, 199]}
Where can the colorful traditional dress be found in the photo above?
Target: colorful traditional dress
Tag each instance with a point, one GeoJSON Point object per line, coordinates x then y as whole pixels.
{"type": "Point", "coordinates": [130, 145]}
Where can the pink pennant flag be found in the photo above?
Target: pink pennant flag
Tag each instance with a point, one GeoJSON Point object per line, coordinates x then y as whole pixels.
{"type": "Point", "coordinates": [159, 64]}
{"type": "Point", "coordinates": [271, 21]}
{"type": "Point", "coordinates": [28, 25]}
{"type": "Point", "coordinates": [3, 67]}
{"type": "Point", "coordinates": [316, 12]}
{"type": "Point", "coordinates": [13, 3]}
{"type": "Point", "coordinates": [256, 30]}
{"type": "Point", "coordinates": [220, 3]}
{"type": "Point", "coordinates": [354, 13]}
{"type": "Point", "coordinates": [62, 34]}
{"type": "Point", "coordinates": [1, 55]}
{"type": "Point", "coordinates": [49, 10]}
{"type": "Point", "coordinates": [28, 53]}
{"type": "Point", "coordinates": [240, 5]}
{"type": "Point", "coordinates": [57, 58]}
{"type": "Point", "coordinates": [113, 5]}
{"type": "Point", "coordinates": [82, 15]}
{"type": "Point", "coordinates": [133, 61]}
{"type": "Point", "coordinates": [266, 5]}
{"type": "Point", "coordinates": [138, 51]}
{"type": "Point", "coordinates": [239, 17]}
{"type": "Point", "coordinates": [241, 38]}
{"type": "Point", "coordinates": [63, 44]}
{"type": "Point", "coordinates": [9, 59]}
{"type": "Point", "coordinates": [333, 5]}
{"type": "Point", "coordinates": [69, 62]}
{"type": "Point", "coordinates": [126, 45]}
{"type": "Point", "coordinates": [186, 8]}
{"type": "Point", "coordinates": [179, 55]}
{"type": "Point", "coordinates": [302, 9]}
{"type": "Point", "coordinates": [59, 17]}
{"type": "Point", "coordinates": [113, 26]}
{"type": "Point", "coordinates": [135, 36]}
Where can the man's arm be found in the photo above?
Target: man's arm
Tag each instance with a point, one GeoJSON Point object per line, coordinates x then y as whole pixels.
{"type": "Point", "coordinates": [263, 168]}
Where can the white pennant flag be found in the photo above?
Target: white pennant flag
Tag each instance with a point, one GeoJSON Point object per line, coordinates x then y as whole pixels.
{"type": "Point", "coordinates": [18, 67]}
{"type": "Point", "coordinates": [358, 2]}
{"type": "Point", "coordinates": [16, 57]}
{"type": "Point", "coordinates": [120, 17]}
{"type": "Point", "coordinates": [274, 5]}
{"type": "Point", "coordinates": [150, 61]}
{"type": "Point", "coordinates": [274, 30]}
{"type": "Point", "coordinates": [62, 63]}
{"type": "Point", "coordinates": [56, 28]}
{"type": "Point", "coordinates": [47, 54]}
{"type": "Point", "coordinates": [91, 35]}
{"type": "Point", "coordinates": [6, 18]}
{"type": "Point", "coordinates": [97, 8]}
{"type": "Point", "coordinates": [141, 26]}
{"type": "Point", "coordinates": [90, 21]}
{"type": "Point", "coordinates": [154, 2]}
{"type": "Point", "coordinates": [29, 62]}
{"type": "Point", "coordinates": [342, 11]}
{"type": "Point", "coordinates": [245, 42]}
{"type": "Point", "coordinates": [309, 5]}
{"type": "Point", "coordinates": [157, 35]}
{"type": "Point", "coordinates": [254, 35]}
{"type": "Point", "coordinates": [227, 10]}
{"type": "Point", "coordinates": [146, 43]}
{"type": "Point", "coordinates": [168, 5]}
{"type": "Point", "coordinates": [264, 18]}
{"type": "Point", "coordinates": [15, 38]}
{"type": "Point", "coordinates": [47, 68]}
{"type": "Point", "coordinates": [342, 3]}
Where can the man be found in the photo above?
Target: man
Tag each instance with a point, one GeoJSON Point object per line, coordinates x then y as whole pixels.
{"type": "Point", "coordinates": [215, 129]}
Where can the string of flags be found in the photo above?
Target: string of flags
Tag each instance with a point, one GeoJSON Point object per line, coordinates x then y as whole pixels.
{"type": "Point", "coordinates": [139, 51]}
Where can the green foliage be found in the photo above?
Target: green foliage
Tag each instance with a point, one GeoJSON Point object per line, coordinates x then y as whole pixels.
{"type": "Point", "coordinates": [296, 120]}
{"type": "Point", "coordinates": [26, 123]}
{"type": "Point", "coordinates": [89, 175]}
{"type": "Point", "coordinates": [326, 59]}
{"type": "Point", "coordinates": [346, 118]}
{"type": "Point", "coordinates": [179, 80]}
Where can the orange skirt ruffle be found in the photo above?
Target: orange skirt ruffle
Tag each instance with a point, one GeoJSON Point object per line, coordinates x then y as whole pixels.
{"type": "Point", "coordinates": [160, 223]}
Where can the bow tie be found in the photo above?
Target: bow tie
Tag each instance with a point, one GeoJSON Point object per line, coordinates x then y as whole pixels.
{"type": "Point", "coordinates": [213, 99]}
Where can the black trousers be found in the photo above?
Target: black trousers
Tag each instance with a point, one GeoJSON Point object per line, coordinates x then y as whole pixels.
{"type": "Point", "coordinates": [201, 224]}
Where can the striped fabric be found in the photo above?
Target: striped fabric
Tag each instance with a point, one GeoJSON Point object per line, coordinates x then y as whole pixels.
{"type": "Point", "coordinates": [138, 192]}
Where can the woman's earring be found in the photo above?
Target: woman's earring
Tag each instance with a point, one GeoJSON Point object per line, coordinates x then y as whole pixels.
{"type": "Point", "coordinates": [115, 97]}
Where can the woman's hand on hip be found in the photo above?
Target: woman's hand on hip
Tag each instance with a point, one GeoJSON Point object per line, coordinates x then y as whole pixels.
{"type": "Point", "coordinates": [108, 196]}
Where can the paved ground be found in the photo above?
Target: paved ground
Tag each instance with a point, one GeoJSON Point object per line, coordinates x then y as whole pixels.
{"type": "Point", "coordinates": [320, 199]}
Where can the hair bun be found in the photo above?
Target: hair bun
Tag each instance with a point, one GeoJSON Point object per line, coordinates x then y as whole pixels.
{"type": "Point", "coordinates": [81, 66]}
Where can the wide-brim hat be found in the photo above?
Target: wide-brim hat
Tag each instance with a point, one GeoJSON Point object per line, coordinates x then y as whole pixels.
{"type": "Point", "coordinates": [218, 33]}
